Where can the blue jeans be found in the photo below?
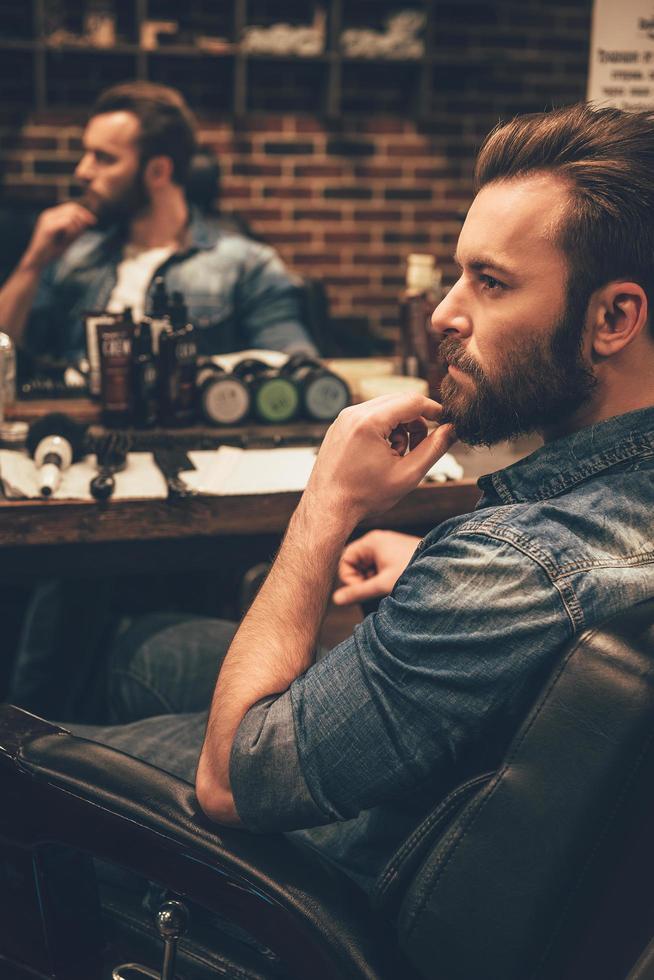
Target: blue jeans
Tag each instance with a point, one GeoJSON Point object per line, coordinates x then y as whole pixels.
{"type": "Point", "coordinates": [160, 679]}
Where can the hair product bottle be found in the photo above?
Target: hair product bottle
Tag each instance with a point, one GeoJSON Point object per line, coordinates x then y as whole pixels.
{"type": "Point", "coordinates": [178, 354]}
{"type": "Point", "coordinates": [418, 343]}
{"type": "Point", "coordinates": [91, 321]}
{"type": "Point", "coordinates": [115, 346]}
{"type": "Point", "coordinates": [144, 377]}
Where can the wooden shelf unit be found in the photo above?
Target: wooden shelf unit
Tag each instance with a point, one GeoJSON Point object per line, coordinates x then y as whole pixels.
{"type": "Point", "coordinates": [43, 58]}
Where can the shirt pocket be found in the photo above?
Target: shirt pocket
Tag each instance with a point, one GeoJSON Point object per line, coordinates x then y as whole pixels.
{"type": "Point", "coordinates": [208, 309]}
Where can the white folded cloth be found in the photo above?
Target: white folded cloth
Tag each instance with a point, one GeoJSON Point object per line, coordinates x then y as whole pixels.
{"type": "Point", "coordinates": [230, 471]}
{"type": "Point", "coordinates": [226, 471]}
{"type": "Point", "coordinates": [141, 478]}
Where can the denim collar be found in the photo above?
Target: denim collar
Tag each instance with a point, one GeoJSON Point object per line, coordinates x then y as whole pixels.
{"type": "Point", "coordinates": [202, 233]}
{"type": "Point", "coordinates": [560, 465]}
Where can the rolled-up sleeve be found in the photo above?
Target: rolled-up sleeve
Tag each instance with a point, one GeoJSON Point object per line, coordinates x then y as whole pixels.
{"type": "Point", "coordinates": [448, 657]}
{"type": "Point", "coordinates": [269, 790]}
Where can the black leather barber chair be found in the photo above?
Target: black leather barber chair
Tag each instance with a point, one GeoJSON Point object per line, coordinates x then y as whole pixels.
{"type": "Point", "coordinates": [541, 870]}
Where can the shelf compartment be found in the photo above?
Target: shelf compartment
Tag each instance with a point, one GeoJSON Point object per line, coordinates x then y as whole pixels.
{"type": "Point", "coordinates": [205, 82]}
{"type": "Point", "coordinates": [17, 78]}
{"type": "Point", "coordinates": [285, 85]}
{"type": "Point", "coordinates": [76, 78]}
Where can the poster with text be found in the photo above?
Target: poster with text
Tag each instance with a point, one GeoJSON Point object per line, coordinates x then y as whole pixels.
{"type": "Point", "coordinates": [621, 71]}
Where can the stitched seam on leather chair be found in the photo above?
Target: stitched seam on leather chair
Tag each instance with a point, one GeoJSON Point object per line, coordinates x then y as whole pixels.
{"type": "Point", "coordinates": [584, 871]}
{"type": "Point", "coordinates": [426, 827]}
{"type": "Point", "coordinates": [463, 832]}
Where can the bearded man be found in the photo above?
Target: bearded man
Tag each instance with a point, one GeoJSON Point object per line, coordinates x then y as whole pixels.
{"type": "Point", "coordinates": [133, 223]}
{"type": "Point", "coordinates": [547, 329]}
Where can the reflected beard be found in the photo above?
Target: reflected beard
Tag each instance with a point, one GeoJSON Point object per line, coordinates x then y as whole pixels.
{"type": "Point", "coordinates": [125, 206]}
{"type": "Point", "coordinates": [540, 385]}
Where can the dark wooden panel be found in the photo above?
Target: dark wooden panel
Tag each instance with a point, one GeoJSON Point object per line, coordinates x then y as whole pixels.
{"type": "Point", "coordinates": [144, 535]}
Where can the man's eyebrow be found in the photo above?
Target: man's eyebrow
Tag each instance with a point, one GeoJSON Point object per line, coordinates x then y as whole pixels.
{"type": "Point", "coordinates": [482, 262]}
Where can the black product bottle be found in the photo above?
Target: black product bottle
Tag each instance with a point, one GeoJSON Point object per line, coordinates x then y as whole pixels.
{"type": "Point", "coordinates": [158, 312]}
{"type": "Point", "coordinates": [144, 377]}
{"type": "Point", "coordinates": [177, 311]}
{"type": "Point", "coordinates": [223, 398]}
{"type": "Point", "coordinates": [275, 399]}
{"type": "Point", "coordinates": [115, 346]}
{"type": "Point", "coordinates": [178, 355]}
{"type": "Point", "coordinates": [323, 394]}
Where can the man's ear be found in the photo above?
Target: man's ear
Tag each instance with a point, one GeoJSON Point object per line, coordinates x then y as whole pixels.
{"type": "Point", "coordinates": [158, 171]}
{"type": "Point", "coordinates": [618, 313]}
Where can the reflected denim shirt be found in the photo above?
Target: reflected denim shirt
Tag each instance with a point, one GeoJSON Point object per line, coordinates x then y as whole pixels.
{"type": "Point", "coordinates": [238, 292]}
{"type": "Point", "coordinates": [430, 688]}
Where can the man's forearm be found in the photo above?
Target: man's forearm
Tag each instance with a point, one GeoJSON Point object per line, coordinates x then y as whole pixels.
{"type": "Point", "coordinates": [371, 456]}
{"type": "Point", "coordinates": [275, 643]}
{"type": "Point", "coordinates": [16, 300]}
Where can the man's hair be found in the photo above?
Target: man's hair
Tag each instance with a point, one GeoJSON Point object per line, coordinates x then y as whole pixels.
{"type": "Point", "coordinates": [167, 124]}
{"type": "Point", "coordinates": [607, 157]}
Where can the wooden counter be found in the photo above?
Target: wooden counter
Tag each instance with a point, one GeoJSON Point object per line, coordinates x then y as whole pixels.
{"type": "Point", "coordinates": [65, 537]}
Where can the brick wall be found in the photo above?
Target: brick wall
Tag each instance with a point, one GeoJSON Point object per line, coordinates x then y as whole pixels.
{"type": "Point", "coordinates": [348, 201]}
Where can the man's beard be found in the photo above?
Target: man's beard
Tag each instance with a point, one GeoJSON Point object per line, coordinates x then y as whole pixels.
{"type": "Point", "coordinates": [121, 209]}
{"type": "Point", "coordinates": [540, 384]}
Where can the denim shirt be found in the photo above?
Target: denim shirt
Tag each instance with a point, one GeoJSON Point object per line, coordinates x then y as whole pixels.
{"type": "Point", "coordinates": [238, 292]}
{"type": "Point", "coordinates": [430, 688]}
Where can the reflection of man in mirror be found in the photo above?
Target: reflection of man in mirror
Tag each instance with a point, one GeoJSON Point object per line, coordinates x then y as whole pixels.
{"type": "Point", "coordinates": [134, 222]}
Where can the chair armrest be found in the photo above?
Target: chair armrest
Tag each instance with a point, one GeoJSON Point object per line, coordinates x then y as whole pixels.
{"type": "Point", "coordinates": [122, 810]}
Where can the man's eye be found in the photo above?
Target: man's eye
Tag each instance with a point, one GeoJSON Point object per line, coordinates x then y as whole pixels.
{"type": "Point", "coordinates": [490, 282]}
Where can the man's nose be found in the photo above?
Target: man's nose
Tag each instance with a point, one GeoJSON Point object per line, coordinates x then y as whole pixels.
{"type": "Point", "coordinates": [84, 169]}
{"type": "Point", "coordinates": [450, 316]}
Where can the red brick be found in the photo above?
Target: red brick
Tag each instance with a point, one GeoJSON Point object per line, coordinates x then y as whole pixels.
{"type": "Point", "coordinates": [366, 300]}
{"type": "Point", "coordinates": [237, 191]}
{"type": "Point", "coordinates": [227, 147]}
{"type": "Point", "coordinates": [318, 170]}
{"type": "Point", "coordinates": [316, 258]}
{"type": "Point", "coordinates": [288, 237]}
{"type": "Point", "coordinates": [377, 214]}
{"type": "Point", "coordinates": [409, 150]}
{"type": "Point", "coordinates": [375, 258]}
{"type": "Point", "coordinates": [248, 169]}
{"type": "Point", "coordinates": [308, 124]}
{"type": "Point", "coordinates": [316, 214]}
{"type": "Point", "coordinates": [260, 214]}
{"type": "Point", "coordinates": [289, 192]}
{"type": "Point", "coordinates": [372, 171]}
{"type": "Point", "coordinates": [263, 124]}
{"type": "Point", "coordinates": [58, 116]}
{"type": "Point", "coordinates": [435, 173]}
{"type": "Point", "coordinates": [347, 237]}
{"type": "Point", "coordinates": [380, 124]}
{"type": "Point", "coordinates": [333, 280]}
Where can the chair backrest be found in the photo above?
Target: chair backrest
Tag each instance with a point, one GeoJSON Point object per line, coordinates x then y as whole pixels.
{"type": "Point", "coordinates": [546, 869]}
